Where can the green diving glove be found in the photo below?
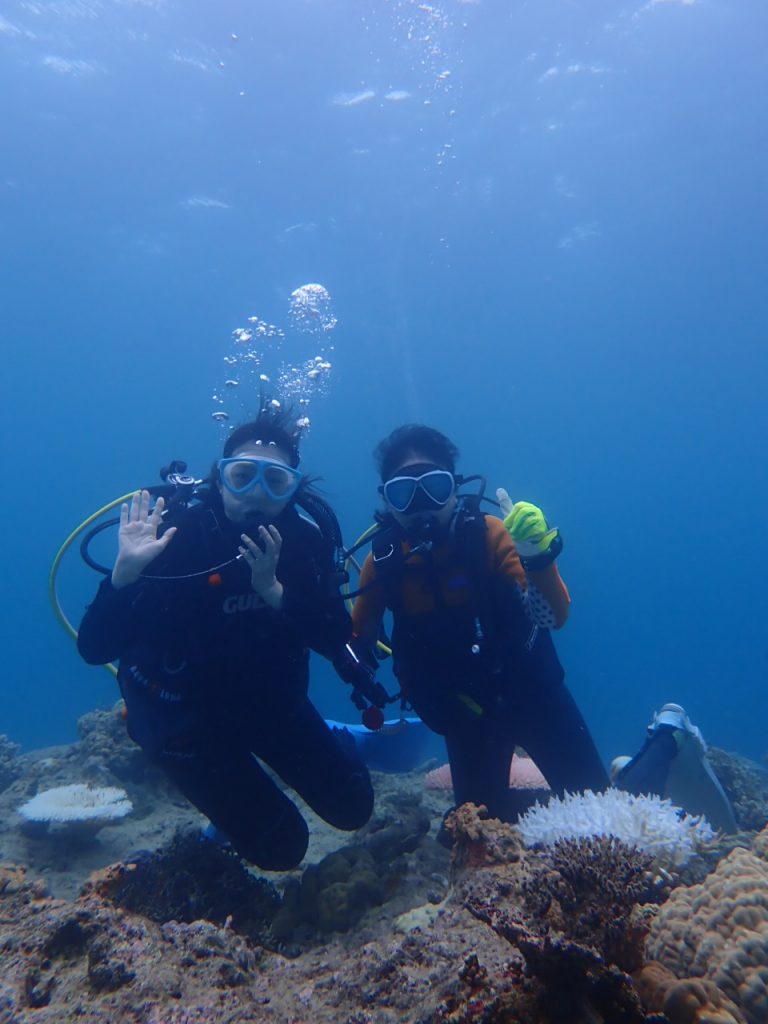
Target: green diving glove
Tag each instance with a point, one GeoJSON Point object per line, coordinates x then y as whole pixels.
{"type": "Point", "coordinates": [537, 545]}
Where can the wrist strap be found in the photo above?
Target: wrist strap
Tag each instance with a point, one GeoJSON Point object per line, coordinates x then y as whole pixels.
{"type": "Point", "coordinates": [533, 563]}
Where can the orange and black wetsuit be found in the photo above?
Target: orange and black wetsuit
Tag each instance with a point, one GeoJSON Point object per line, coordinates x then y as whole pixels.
{"type": "Point", "coordinates": [473, 654]}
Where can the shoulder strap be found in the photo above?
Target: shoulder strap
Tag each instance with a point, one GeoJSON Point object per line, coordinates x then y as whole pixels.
{"type": "Point", "coordinates": [471, 532]}
{"type": "Point", "coordinates": [333, 574]}
{"type": "Point", "coordinates": [325, 518]}
{"type": "Point", "coordinates": [387, 554]}
{"type": "Point", "coordinates": [472, 540]}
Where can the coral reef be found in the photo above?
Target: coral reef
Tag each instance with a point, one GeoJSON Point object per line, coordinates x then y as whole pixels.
{"type": "Point", "coordinates": [106, 747]}
{"type": "Point", "coordinates": [746, 785]}
{"type": "Point", "coordinates": [76, 811]}
{"type": "Point", "coordinates": [760, 844]}
{"type": "Point", "coordinates": [380, 930]}
{"type": "Point", "coordinates": [334, 894]}
{"type": "Point", "coordinates": [572, 913]}
{"type": "Point", "coordinates": [481, 842]}
{"type": "Point", "coordinates": [90, 961]}
{"type": "Point", "coordinates": [718, 930]}
{"type": "Point", "coordinates": [588, 889]}
{"type": "Point", "coordinates": [566, 925]}
{"type": "Point", "coordinates": [10, 763]}
{"type": "Point", "coordinates": [189, 879]}
{"type": "Point", "coordinates": [647, 822]}
{"type": "Point", "coordinates": [687, 1001]}
{"type": "Point", "coordinates": [157, 811]}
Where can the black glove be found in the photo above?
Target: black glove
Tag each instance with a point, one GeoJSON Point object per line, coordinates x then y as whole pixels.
{"type": "Point", "coordinates": [358, 668]}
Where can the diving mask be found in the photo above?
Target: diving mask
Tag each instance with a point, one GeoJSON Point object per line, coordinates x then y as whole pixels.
{"type": "Point", "coordinates": [244, 472]}
{"type": "Point", "coordinates": [424, 489]}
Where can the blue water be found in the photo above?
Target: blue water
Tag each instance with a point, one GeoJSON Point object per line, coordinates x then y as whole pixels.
{"type": "Point", "coordinates": [552, 247]}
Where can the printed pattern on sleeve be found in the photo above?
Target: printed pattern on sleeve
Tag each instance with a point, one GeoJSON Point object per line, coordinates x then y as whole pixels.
{"type": "Point", "coordinates": [537, 607]}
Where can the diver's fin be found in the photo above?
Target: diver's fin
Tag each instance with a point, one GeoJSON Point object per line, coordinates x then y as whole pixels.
{"type": "Point", "coordinates": [693, 785]}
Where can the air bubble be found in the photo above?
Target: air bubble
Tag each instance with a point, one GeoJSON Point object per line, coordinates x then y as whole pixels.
{"type": "Point", "coordinates": [310, 309]}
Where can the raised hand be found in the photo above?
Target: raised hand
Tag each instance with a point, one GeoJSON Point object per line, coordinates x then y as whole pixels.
{"type": "Point", "coordinates": [536, 543]}
{"type": "Point", "coordinates": [138, 543]}
{"type": "Point", "coordinates": [262, 560]}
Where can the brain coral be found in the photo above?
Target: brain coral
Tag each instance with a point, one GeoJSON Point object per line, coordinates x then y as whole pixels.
{"type": "Point", "coordinates": [686, 1001]}
{"type": "Point", "coordinates": [719, 930]}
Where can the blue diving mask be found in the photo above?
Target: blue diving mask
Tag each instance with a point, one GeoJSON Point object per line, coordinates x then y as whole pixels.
{"type": "Point", "coordinates": [424, 488]}
{"type": "Point", "coordinates": [244, 472]}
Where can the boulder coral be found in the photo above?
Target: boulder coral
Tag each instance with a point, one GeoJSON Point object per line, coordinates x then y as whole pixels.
{"type": "Point", "coordinates": [718, 931]}
{"type": "Point", "coordinates": [686, 1001]}
{"type": "Point", "coordinates": [334, 894]}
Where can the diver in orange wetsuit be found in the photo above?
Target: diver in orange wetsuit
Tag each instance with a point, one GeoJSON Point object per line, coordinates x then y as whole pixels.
{"type": "Point", "coordinates": [472, 611]}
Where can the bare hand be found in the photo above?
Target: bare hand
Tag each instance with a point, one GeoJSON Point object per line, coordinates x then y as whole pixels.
{"type": "Point", "coordinates": [138, 543]}
{"type": "Point", "coordinates": [263, 564]}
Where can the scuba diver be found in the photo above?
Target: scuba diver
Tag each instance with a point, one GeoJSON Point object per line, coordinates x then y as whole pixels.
{"type": "Point", "coordinates": [473, 600]}
{"type": "Point", "coordinates": [211, 609]}
{"type": "Point", "coordinates": [673, 764]}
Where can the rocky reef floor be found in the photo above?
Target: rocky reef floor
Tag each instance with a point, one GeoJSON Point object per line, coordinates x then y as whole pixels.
{"type": "Point", "coordinates": [148, 922]}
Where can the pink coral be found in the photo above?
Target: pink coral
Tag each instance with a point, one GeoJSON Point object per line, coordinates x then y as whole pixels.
{"type": "Point", "coordinates": [523, 774]}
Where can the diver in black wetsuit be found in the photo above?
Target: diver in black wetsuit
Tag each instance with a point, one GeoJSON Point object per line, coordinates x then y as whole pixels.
{"type": "Point", "coordinates": [213, 666]}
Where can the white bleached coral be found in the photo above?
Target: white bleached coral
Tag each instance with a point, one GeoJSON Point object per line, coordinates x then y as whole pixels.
{"type": "Point", "coordinates": [647, 822]}
{"type": "Point", "coordinates": [76, 808]}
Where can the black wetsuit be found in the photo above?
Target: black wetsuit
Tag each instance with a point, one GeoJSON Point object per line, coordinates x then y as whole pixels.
{"type": "Point", "coordinates": [487, 704]}
{"type": "Point", "coordinates": [212, 676]}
